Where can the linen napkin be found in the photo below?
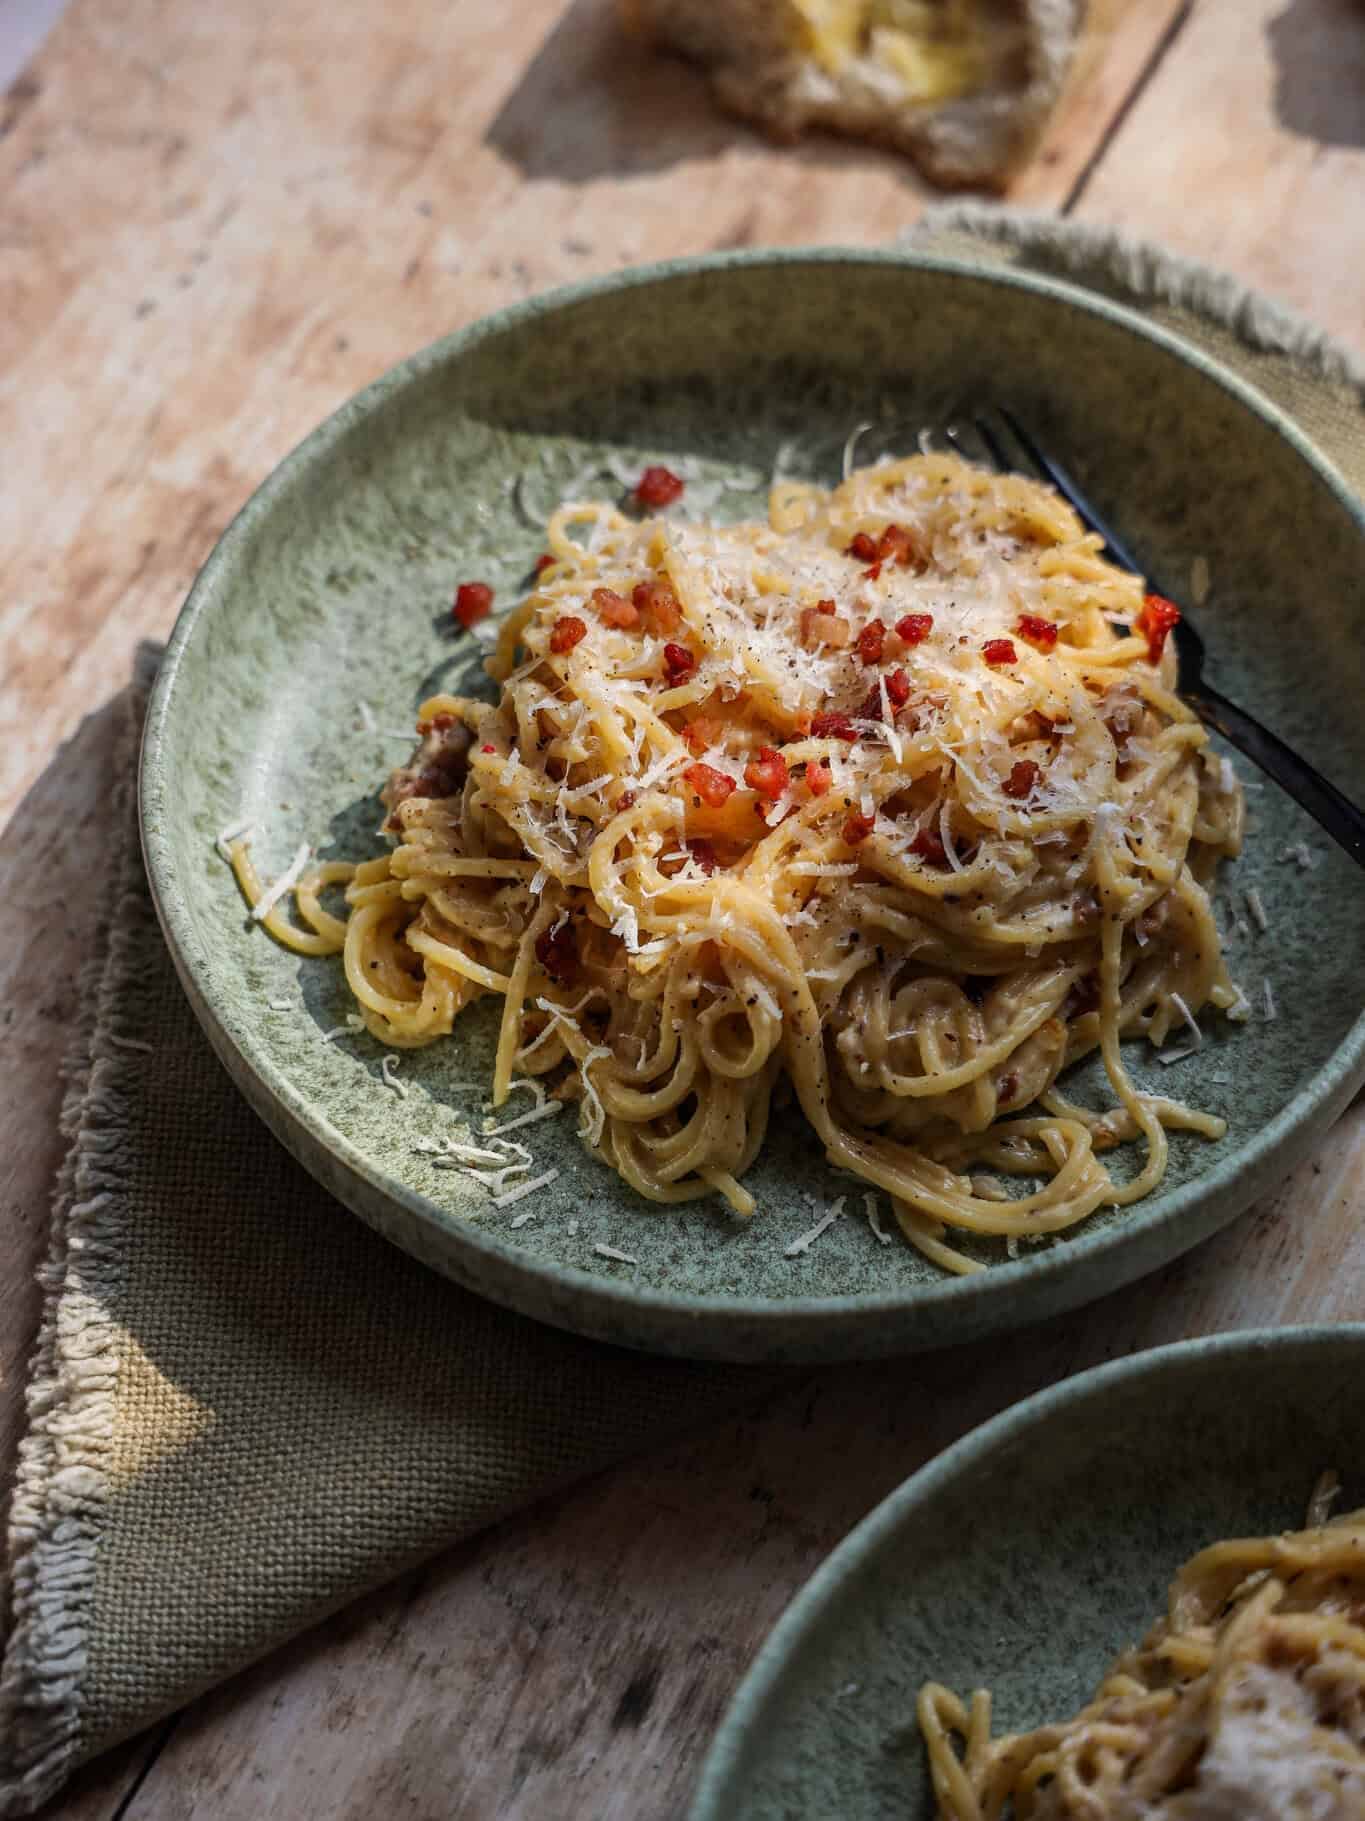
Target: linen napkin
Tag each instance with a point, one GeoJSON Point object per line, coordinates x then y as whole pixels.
{"type": "Point", "coordinates": [245, 1408]}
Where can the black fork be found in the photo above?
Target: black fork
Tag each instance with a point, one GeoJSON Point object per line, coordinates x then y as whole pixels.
{"type": "Point", "coordinates": [1004, 442]}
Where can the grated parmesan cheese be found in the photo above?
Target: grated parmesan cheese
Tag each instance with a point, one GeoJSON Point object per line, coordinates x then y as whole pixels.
{"type": "Point", "coordinates": [604, 1251]}
{"type": "Point", "coordinates": [233, 832]}
{"type": "Point", "coordinates": [522, 1219]}
{"type": "Point", "coordinates": [387, 1065]}
{"type": "Point", "coordinates": [807, 1240]}
{"type": "Point", "coordinates": [1188, 1016]}
{"type": "Point", "coordinates": [594, 1113]}
{"type": "Point", "coordinates": [286, 882]}
{"type": "Point", "coordinates": [945, 834]}
{"type": "Point", "coordinates": [851, 442]}
{"type": "Point", "coordinates": [1301, 854]}
{"type": "Point", "coordinates": [1268, 997]}
{"type": "Point", "coordinates": [1257, 909]}
{"type": "Point", "coordinates": [525, 1188]}
{"type": "Point", "coordinates": [546, 1110]}
{"type": "Point", "coordinates": [353, 1026]}
{"type": "Point", "coordinates": [870, 1207]}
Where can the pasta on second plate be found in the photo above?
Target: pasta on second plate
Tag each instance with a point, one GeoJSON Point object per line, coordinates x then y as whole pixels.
{"type": "Point", "coordinates": [1246, 1702]}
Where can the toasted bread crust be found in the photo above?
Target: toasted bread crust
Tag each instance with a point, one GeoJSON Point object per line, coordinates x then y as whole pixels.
{"type": "Point", "coordinates": [973, 140]}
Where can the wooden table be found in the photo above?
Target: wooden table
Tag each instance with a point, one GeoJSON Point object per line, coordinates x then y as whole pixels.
{"type": "Point", "coordinates": [216, 223]}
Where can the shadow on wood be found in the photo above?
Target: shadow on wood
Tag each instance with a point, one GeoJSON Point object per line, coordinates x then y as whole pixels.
{"type": "Point", "coordinates": [595, 103]}
{"type": "Point", "coordinates": [1316, 45]}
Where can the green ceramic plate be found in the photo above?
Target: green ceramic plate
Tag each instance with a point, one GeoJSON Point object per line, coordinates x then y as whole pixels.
{"type": "Point", "coordinates": [332, 590]}
{"type": "Point", "coordinates": [1025, 1558]}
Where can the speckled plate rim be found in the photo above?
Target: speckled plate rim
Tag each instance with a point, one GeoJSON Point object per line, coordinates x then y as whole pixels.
{"type": "Point", "coordinates": [1009, 1295]}
{"type": "Point", "coordinates": [716, 1794]}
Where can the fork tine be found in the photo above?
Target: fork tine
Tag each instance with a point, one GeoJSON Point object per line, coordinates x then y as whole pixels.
{"type": "Point", "coordinates": [993, 445]}
{"type": "Point", "coordinates": [1064, 484]}
{"type": "Point", "coordinates": [953, 434]}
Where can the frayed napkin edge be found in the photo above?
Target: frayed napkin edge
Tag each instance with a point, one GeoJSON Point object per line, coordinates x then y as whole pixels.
{"type": "Point", "coordinates": [61, 1480]}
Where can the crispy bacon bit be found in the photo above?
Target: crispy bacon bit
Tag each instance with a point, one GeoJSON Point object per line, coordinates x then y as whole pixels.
{"type": "Point", "coordinates": [871, 641]}
{"type": "Point", "coordinates": [488, 746]}
{"type": "Point", "coordinates": [439, 723]}
{"type": "Point", "coordinates": [438, 766]}
{"type": "Point", "coordinates": [857, 828]}
{"type": "Point", "coordinates": [1155, 621]}
{"type": "Point", "coordinates": [626, 800]}
{"type": "Point", "coordinates": [999, 651]}
{"type": "Point", "coordinates": [473, 602]}
{"type": "Point", "coordinates": [863, 548]}
{"type": "Point", "coordinates": [897, 695]}
{"type": "Point", "coordinates": [833, 727]}
{"type": "Point", "coordinates": [928, 844]}
{"type": "Point", "coordinates": [819, 777]}
{"type": "Point", "coordinates": [898, 689]}
{"type": "Point", "coordinates": [544, 562]}
{"type": "Point", "coordinates": [767, 774]}
{"type": "Point", "coordinates": [1040, 633]}
{"type": "Point", "coordinates": [699, 734]}
{"type": "Point", "coordinates": [1035, 725]}
{"type": "Point", "coordinates": [557, 952]}
{"type": "Point", "coordinates": [823, 625]}
{"type": "Point", "coordinates": [614, 609]}
{"type": "Point", "coordinates": [568, 630]}
{"type": "Point", "coordinates": [915, 628]}
{"type": "Point", "coordinates": [658, 604]}
{"type": "Point", "coordinates": [703, 853]}
{"type": "Point", "coordinates": [658, 487]}
{"type": "Point", "coordinates": [1023, 776]}
{"type": "Point", "coordinates": [678, 662]}
{"type": "Point", "coordinates": [897, 545]}
{"type": "Point", "coordinates": [712, 786]}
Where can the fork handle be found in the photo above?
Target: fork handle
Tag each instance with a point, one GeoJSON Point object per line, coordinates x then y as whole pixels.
{"type": "Point", "coordinates": [1323, 801]}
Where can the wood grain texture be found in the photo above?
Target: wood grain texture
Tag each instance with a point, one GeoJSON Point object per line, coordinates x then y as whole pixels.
{"type": "Point", "coordinates": [1248, 151]}
{"type": "Point", "coordinates": [218, 223]}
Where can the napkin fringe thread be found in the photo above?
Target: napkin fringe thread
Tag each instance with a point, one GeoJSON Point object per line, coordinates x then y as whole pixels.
{"type": "Point", "coordinates": [62, 1478]}
{"type": "Point", "coordinates": [1144, 273]}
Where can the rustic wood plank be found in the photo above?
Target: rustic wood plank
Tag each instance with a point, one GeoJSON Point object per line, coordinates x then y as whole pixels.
{"type": "Point", "coordinates": [1247, 149]}
{"type": "Point", "coordinates": [212, 235]}
{"type": "Point", "coordinates": [1119, 49]}
{"type": "Point", "coordinates": [106, 1789]}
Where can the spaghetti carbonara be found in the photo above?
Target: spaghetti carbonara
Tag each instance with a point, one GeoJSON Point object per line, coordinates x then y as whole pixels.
{"type": "Point", "coordinates": [888, 803]}
{"type": "Point", "coordinates": [1245, 1703]}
